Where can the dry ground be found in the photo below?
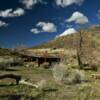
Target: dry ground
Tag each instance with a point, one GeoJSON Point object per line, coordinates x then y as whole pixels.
{"type": "Point", "coordinates": [84, 91]}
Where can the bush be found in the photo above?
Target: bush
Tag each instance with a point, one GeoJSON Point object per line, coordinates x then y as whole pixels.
{"type": "Point", "coordinates": [75, 76]}
{"type": "Point", "coordinates": [8, 61]}
{"type": "Point", "coordinates": [45, 65]}
{"type": "Point", "coordinates": [67, 75]}
{"type": "Point", "coordinates": [3, 66]}
{"type": "Point", "coordinates": [86, 92]}
{"type": "Point", "coordinates": [29, 64]}
{"type": "Point", "coordinates": [59, 71]}
{"type": "Point", "coordinates": [94, 67]}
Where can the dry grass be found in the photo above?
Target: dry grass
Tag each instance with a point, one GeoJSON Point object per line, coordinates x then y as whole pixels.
{"type": "Point", "coordinates": [53, 90]}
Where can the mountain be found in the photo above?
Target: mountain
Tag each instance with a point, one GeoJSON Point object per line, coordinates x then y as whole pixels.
{"type": "Point", "coordinates": [68, 40]}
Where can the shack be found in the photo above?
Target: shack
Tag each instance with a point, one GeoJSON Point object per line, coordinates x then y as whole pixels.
{"type": "Point", "coordinates": [40, 59]}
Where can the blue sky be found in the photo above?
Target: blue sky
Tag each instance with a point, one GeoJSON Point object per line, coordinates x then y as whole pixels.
{"type": "Point", "coordinates": [31, 22]}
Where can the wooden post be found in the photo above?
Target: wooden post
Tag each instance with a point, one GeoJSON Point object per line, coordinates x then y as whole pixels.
{"type": "Point", "coordinates": [37, 61]}
{"type": "Point", "coordinates": [45, 56]}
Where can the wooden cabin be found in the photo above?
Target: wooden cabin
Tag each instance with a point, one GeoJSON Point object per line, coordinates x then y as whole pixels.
{"type": "Point", "coordinates": [40, 59]}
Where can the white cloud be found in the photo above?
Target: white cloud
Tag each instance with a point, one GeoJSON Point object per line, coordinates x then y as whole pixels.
{"type": "Point", "coordinates": [35, 31]}
{"type": "Point", "coordinates": [69, 26]}
{"type": "Point", "coordinates": [64, 3]}
{"type": "Point", "coordinates": [3, 24]}
{"type": "Point", "coordinates": [18, 12]}
{"type": "Point", "coordinates": [68, 32]}
{"type": "Point", "coordinates": [44, 27]}
{"type": "Point", "coordinates": [12, 13]}
{"type": "Point", "coordinates": [78, 18]}
{"type": "Point", "coordinates": [98, 15]}
{"type": "Point", "coordinates": [30, 3]}
{"type": "Point", "coordinates": [47, 27]}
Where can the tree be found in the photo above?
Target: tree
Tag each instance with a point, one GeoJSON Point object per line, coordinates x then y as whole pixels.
{"type": "Point", "coordinates": [79, 50]}
{"type": "Point", "coordinates": [83, 44]}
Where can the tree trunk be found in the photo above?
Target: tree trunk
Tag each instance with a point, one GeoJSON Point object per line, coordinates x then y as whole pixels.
{"type": "Point", "coordinates": [79, 60]}
{"type": "Point", "coordinates": [79, 51]}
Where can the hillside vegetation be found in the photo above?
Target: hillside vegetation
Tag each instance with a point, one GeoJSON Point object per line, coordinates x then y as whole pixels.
{"type": "Point", "coordinates": [4, 52]}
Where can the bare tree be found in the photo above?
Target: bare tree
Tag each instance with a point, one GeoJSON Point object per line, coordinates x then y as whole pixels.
{"type": "Point", "coordinates": [79, 50]}
{"type": "Point", "coordinates": [84, 48]}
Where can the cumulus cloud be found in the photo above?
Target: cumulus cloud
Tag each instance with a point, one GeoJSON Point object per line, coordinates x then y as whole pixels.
{"type": "Point", "coordinates": [30, 3]}
{"type": "Point", "coordinates": [68, 32]}
{"type": "Point", "coordinates": [98, 15]}
{"type": "Point", "coordinates": [78, 18]}
{"type": "Point", "coordinates": [44, 27]}
{"type": "Point", "coordinates": [12, 13]}
{"type": "Point", "coordinates": [3, 24]}
{"type": "Point", "coordinates": [64, 3]}
{"type": "Point", "coordinates": [47, 27]}
{"type": "Point", "coordinates": [35, 31]}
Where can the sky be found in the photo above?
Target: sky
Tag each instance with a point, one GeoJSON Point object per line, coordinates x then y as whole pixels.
{"type": "Point", "coordinates": [32, 22]}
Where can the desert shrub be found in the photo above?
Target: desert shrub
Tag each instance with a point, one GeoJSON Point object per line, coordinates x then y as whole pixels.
{"type": "Point", "coordinates": [29, 64]}
{"type": "Point", "coordinates": [8, 61]}
{"type": "Point", "coordinates": [3, 65]}
{"type": "Point", "coordinates": [67, 75]}
{"type": "Point", "coordinates": [45, 65]}
{"type": "Point", "coordinates": [16, 62]}
{"type": "Point", "coordinates": [94, 66]}
{"type": "Point", "coordinates": [86, 92]}
{"type": "Point", "coordinates": [75, 76]}
{"type": "Point", "coordinates": [59, 71]}
{"type": "Point", "coordinates": [44, 90]}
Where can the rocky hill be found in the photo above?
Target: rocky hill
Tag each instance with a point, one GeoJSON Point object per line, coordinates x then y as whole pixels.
{"type": "Point", "coordinates": [67, 41]}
